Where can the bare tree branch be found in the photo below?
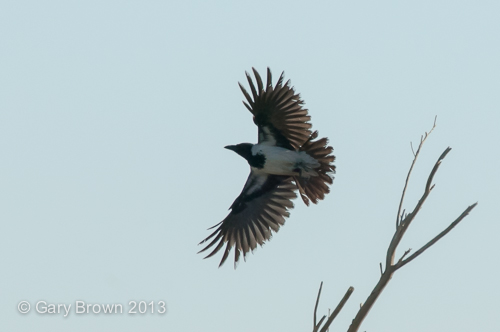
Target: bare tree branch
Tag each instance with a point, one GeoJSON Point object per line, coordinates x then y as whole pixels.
{"type": "Point", "coordinates": [415, 154]}
{"type": "Point", "coordinates": [404, 255]}
{"type": "Point", "coordinates": [403, 222]}
{"type": "Point", "coordinates": [338, 308]}
{"type": "Point", "coordinates": [436, 238]}
{"type": "Point", "coordinates": [334, 313]}
{"type": "Point", "coordinates": [316, 326]}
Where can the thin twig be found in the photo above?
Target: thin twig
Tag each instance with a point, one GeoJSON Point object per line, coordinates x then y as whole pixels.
{"type": "Point", "coordinates": [404, 255]}
{"type": "Point", "coordinates": [436, 238]}
{"type": "Point", "coordinates": [335, 312]}
{"type": "Point", "coordinates": [316, 306]}
{"type": "Point", "coordinates": [319, 324]}
{"type": "Point", "coordinates": [428, 187]}
{"type": "Point", "coordinates": [403, 215]}
{"type": "Point", "coordinates": [422, 140]}
{"type": "Point", "coordinates": [405, 223]}
{"type": "Point", "coordinates": [337, 309]}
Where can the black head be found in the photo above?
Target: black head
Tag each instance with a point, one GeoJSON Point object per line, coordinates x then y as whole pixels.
{"type": "Point", "coordinates": [243, 149]}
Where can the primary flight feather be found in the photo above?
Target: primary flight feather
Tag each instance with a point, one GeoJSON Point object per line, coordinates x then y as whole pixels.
{"type": "Point", "coordinates": [286, 159]}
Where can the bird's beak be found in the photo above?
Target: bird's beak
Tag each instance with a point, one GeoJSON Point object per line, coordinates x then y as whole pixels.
{"type": "Point", "coordinates": [230, 147]}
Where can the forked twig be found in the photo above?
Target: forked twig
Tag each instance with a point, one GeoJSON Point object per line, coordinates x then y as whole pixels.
{"type": "Point", "coordinates": [436, 238]}
{"type": "Point", "coordinates": [338, 308]}
{"type": "Point", "coordinates": [399, 216]}
{"type": "Point", "coordinates": [335, 312]}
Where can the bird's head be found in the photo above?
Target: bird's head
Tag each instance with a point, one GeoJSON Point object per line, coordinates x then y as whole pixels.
{"type": "Point", "coordinates": [243, 149]}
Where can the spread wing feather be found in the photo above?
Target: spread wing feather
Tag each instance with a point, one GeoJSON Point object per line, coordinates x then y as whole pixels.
{"type": "Point", "coordinates": [254, 215]}
{"type": "Point", "coordinates": [277, 111]}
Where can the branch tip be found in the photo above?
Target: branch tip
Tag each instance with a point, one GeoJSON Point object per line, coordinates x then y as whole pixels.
{"type": "Point", "coordinates": [438, 237]}
{"type": "Point", "coordinates": [334, 313]}
{"type": "Point", "coordinates": [316, 306]}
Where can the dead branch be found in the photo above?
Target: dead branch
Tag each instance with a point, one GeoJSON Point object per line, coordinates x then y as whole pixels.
{"type": "Point", "coordinates": [335, 312]}
{"type": "Point", "coordinates": [316, 326]}
{"type": "Point", "coordinates": [399, 215]}
{"type": "Point", "coordinates": [436, 238]}
{"type": "Point", "coordinates": [403, 222]}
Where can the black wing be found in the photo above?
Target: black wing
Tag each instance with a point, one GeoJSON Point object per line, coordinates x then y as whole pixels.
{"type": "Point", "coordinates": [277, 112]}
{"type": "Point", "coordinates": [261, 207]}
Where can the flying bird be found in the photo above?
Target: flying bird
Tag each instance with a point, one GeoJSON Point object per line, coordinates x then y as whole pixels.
{"type": "Point", "coordinates": [288, 158]}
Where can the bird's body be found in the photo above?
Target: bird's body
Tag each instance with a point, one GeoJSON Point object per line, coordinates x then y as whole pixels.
{"type": "Point", "coordinates": [275, 160]}
{"type": "Point", "coordinates": [286, 159]}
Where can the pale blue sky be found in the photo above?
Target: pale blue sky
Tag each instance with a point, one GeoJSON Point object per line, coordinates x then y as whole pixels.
{"type": "Point", "coordinates": [113, 119]}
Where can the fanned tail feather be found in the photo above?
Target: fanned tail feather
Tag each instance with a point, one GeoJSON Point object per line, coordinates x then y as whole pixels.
{"type": "Point", "coordinates": [316, 187]}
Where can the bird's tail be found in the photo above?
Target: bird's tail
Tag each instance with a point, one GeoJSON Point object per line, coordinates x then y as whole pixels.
{"type": "Point", "coordinates": [315, 188]}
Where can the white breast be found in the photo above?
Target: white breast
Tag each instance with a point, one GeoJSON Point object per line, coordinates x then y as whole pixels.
{"type": "Point", "coordinates": [281, 161]}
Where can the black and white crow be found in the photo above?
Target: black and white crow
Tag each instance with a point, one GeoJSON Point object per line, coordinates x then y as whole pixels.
{"type": "Point", "coordinates": [286, 158]}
